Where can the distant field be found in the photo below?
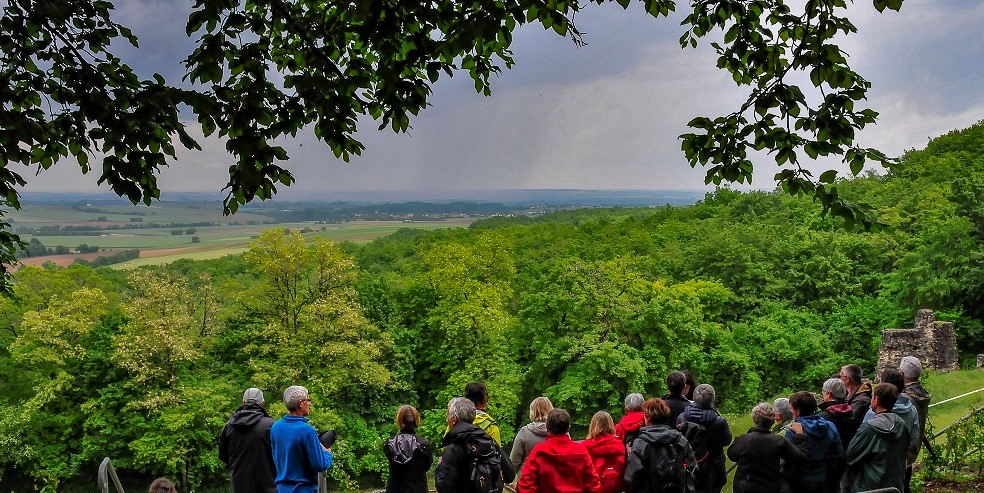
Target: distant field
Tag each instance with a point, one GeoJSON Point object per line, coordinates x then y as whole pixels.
{"type": "Point", "coordinates": [356, 232]}
{"type": "Point", "coordinates": [161, 245]}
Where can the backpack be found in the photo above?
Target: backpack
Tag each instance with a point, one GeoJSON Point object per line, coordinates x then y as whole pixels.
{"type": "Point", "coordinates": [630, 437]}
{"type": "Point", "coordinates": [611, 480]}
{"type": "Point", "coordinates": [668, 471]}
{"type": "Point", "coordinates": [696, 434]}
{"type": "Point", "coordinates": [484, 465]}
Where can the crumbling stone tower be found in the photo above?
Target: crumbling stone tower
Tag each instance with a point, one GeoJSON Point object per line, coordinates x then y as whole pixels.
{"type": "Point", "coordinates": [931, 341]}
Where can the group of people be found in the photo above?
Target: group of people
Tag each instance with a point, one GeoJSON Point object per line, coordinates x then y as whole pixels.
{"type": "Point", "coordinates": [858, 437]}
{"type": "Point", "coordinates": [267, 456]}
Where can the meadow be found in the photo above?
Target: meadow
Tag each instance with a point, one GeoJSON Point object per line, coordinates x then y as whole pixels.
{"type": "Point", "coordinates": [123, 226]}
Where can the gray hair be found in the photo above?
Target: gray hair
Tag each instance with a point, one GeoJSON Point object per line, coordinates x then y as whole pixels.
{"type": "Point", "coordinates": [462, 408]}
{"type": "Point", "coordinates": [763, 415]}
{"type": "Point", "coordinates": [783, 408]}
{"type": "Point", "coordinates": [253, 395]}
{"type": "Point", "coordinates": [704, 396]}
{"type": "Point", "coordinates": [836, 388]}
{"type": "Point", "coordinates": [911, 368]}
{"type": "Point", "coordinates": [633, 402]}
{"type": "Point", "coordinates": [293, 397]}
{"type": "Point", "coordinates": [853, 373]}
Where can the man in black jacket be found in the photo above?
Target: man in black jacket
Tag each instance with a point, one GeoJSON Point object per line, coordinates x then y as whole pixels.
{"type": "Point", "coordinates": [711, 473]}
{"type": "Point", "coordinates": [453, 471]}
{"type": "Point", "coordinates": [244, 446]}
{"type": "Point", "coordinates": [760, 453]}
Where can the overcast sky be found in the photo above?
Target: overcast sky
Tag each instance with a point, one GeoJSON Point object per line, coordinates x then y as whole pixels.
{"type": "Point", "coordinates": [604, 116]}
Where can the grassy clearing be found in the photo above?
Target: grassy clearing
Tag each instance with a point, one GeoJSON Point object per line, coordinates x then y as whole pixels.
{"type": "Point", "coordinates": [946, 385]}
{"type": "Point", "coordinates": [167, 259]}
{"type": "Point", "coordinates": [218, 242]}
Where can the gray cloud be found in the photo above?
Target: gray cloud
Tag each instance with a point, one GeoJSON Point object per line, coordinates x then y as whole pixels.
{"type": "Point", "coordinates": [602, 116]}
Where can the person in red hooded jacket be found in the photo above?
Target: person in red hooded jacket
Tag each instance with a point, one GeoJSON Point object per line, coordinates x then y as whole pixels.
{"type": "Point", "coordinates": [607, 452]}
{"type": "Point", "coordinates": [559, 464]}
{"type": "Point", "coordinates": [628, 428]}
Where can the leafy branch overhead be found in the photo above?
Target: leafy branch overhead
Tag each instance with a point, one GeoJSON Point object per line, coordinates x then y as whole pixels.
{"type": "Point", "coordinates": [264, 69]}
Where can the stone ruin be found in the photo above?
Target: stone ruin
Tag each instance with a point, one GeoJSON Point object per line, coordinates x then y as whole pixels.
{"type": "Point", "coordinates": [933, 342]}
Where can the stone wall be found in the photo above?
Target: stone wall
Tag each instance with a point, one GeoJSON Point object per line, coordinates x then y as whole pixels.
{"type": "Point", "coordinates": [931, 341]}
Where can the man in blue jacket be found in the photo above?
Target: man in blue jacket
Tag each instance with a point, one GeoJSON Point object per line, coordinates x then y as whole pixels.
{"type": "Point", "coordinates": [297, 452]}
{"type": "Point", "coordinates": [824, 464]}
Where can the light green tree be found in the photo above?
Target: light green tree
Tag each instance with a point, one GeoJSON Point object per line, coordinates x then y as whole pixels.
{"type": "Point", "coordinates": [47, 357]}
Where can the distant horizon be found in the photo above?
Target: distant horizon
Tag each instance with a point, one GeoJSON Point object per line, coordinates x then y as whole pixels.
{"type": "Point", "coordinates": [551, 196]}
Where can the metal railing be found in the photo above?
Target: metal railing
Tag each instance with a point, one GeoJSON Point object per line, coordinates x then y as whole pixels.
{"type": "Point", "coordinates": [107, 472]}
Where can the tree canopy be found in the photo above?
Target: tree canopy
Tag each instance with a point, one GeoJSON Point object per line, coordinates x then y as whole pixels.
{"type": "Point", "coordinates": [266, 69]}
{"type": "Point", "coordinates": [756, 293]}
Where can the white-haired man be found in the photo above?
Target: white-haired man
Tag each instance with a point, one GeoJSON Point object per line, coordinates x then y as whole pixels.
{"type": "Point", "coordinates": [244, 446]}
{"type": "Point", "coordinates": [470, 456]}
{"type": "Point", "coordinates": [911, 369]}
{"type": "Point", "coordinates": [297, 452]}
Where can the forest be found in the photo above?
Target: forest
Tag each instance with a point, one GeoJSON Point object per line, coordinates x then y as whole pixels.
{"type": "Point", "coordinates": [757, 293]}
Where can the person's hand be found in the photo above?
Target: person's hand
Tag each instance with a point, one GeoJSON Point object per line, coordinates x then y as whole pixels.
{"type": "Point", "coordinates": [797, 428]}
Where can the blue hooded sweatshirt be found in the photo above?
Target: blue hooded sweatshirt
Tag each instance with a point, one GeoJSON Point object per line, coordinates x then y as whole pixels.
{"type": "Point", "coordinates": [826, 450]}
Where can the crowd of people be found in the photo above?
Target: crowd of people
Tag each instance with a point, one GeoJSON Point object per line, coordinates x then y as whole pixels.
{"type": "Point", "coordinates": [856, 437]}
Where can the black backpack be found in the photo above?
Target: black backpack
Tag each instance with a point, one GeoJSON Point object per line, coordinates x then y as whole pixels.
{"type": "Point", "coordinates": [668, 470]}
{"type": "Point", "coordinates": [696, 435]}
{"type": "Point", "coordinates": [484, 465]}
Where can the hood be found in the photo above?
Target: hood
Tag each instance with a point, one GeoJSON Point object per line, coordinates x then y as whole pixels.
{"type": "Point", "coordinates": [816, 427]}
{"type": "Point", "coordinates": [838, 409]}
{"type": "Point", "coordinates": [604, 445]}
{"type": "Point", "coordinates": [887, 425]}
{"type": "Point", "coordinates": [402, 447]}
{"type": "Point", "coordinates": [917, 393]}
{"type": "Point", "coordinates": [864, 389]}
{"type": "Point", "coordinates": [904, 407]}
{"type": "Point", "coordinates": [538, 428]}
{"type": "Point", "coordinates": [247, 416]}
{"type": "Point", "coordinates": [658, 434]}
{"type": "Point", "coordinates": [461, 433]}
{"type": "Point", "coordinates": [700, 415]}
{"type": "Point", "coordinates": [633, 421]}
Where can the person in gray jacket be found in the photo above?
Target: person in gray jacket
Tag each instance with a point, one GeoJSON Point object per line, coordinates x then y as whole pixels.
{"type": "Point", "coordinates": [532, 434]}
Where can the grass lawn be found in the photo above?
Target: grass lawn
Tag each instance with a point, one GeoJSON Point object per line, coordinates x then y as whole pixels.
{"type": "Point", "coordinates": [946, 385]}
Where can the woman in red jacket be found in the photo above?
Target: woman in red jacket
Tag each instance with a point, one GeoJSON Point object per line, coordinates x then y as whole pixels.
{"type": "Point", "coordinates": [607, 452]}
{"type": "Point", "coordinates": [559, 464]}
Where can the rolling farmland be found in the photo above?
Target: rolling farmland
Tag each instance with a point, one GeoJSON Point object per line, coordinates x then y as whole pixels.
{"type": "Point", "coordinates": [170, 231]}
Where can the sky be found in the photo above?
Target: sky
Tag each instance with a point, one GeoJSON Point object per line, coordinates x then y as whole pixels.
{"type": "Point", "coordinates": [603, 116]}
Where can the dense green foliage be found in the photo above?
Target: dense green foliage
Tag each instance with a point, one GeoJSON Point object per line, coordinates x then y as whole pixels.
{"type": "Point", "coordinates": [263, 70]}
{"type": "Point", "coordinates": [755, 293]}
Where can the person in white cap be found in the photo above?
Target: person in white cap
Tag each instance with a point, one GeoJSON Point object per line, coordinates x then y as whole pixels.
{"type": "Point", "coordinates": [244, 446]}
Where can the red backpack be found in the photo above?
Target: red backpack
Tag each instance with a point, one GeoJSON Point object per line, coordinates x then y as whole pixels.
{"type": "Point", "coordinates": [608, 457]}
